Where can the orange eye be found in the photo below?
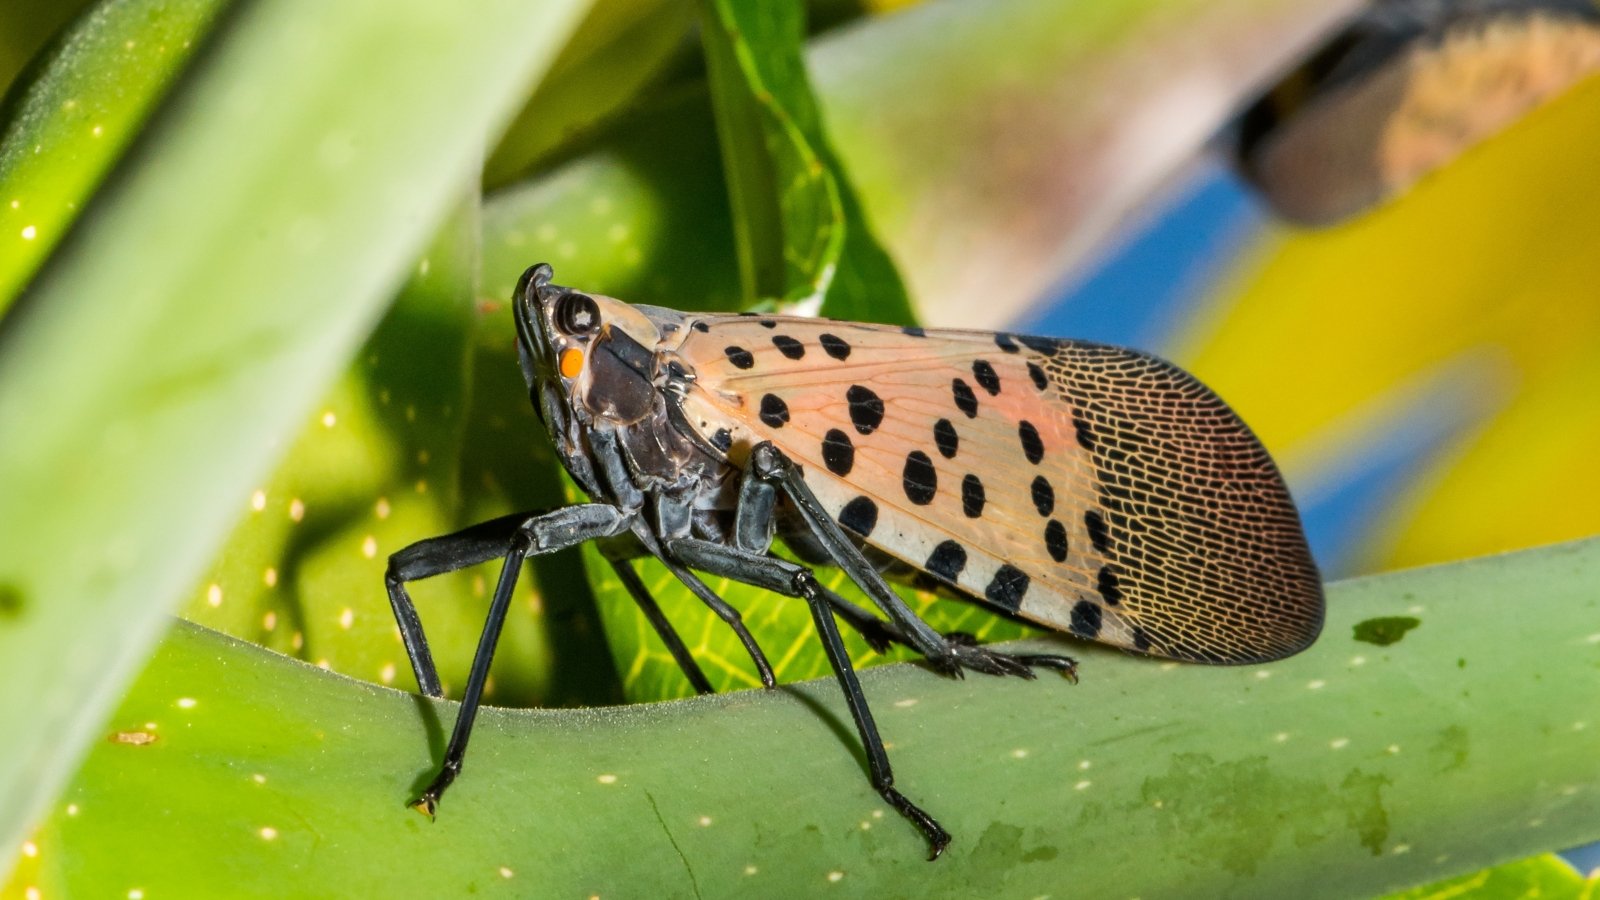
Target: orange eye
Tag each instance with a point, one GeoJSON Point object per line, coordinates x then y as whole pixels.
{"type": "Point", "coordinates": [571, 363]}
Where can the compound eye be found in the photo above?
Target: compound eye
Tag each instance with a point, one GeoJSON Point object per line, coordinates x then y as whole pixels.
{"type": "Point", "coordinates": [577, 314]}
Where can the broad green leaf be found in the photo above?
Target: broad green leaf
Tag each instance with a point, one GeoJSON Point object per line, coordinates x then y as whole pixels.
{"type": "Point", "coordinates": [219, 283]}
{"type": "Point", "coordinates": [1348, 770]}
{"type": "Point", "coordinates": [66, 126]}
{"type": "Point", "coordinates": [798, 229]}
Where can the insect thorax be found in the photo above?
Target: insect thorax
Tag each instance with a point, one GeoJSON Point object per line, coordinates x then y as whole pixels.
{"type": "Point", "coordinates": [628, 427]}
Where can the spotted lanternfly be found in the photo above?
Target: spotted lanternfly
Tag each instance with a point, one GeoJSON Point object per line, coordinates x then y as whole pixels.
{"type": "Point", "coordinates": [1090, 489]}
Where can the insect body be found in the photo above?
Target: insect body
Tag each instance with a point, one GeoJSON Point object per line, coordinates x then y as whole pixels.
{"type": "Point", "coordinates": [1091, 489]}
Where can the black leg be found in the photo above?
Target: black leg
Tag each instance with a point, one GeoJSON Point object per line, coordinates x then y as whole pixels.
{"type": "Point", "coordinates": [658, 620]}
{"type": "Point", "coordinates": [877, 757]}
{"type": "Point", "coordinates": [546, 533]}
{"type": "Point", "coordinates": [769, 463]}
{"type": "Point", "coordinates": [784, 577]}
{"type": "Point", "coordinates": [880, 635]}
{"type": "Point", "coordinates": [780, 575]}
{"type": "Point", "coordinates": [753, 521]}
{"type": "Point", "coordinates": [945, 656]}
{"type": "Point", "coordinates": [728, 614]}
{"type": "Point", "coordinates": [797, 581]}
{"type": "Point", "coordinates": [436, 556]}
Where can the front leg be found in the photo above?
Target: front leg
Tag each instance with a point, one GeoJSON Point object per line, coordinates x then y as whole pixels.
{"type": "Point", "coordinates": [545, 533]}
{"type": "Point", "coordinates": [437, 556]}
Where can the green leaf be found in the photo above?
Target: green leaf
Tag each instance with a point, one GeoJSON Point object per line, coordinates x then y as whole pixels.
{"type": "Point", "coordinates": [73, 120]}
{"type": "Point", "coordinates": [1345, 771]}
{"type": "Point", "coordinates": [224, 277]}
{"type": "Point", "coordinates": [799, 231]}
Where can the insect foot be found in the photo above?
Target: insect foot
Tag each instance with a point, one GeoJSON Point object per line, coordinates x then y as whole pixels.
{"type": "Point", "coordinates": [993, 662]}
{"type": "Point", "coordinates": [428, 803]}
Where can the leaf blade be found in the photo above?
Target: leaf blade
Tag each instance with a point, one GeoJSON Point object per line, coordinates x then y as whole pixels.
{"type": "Point", "coordinates": [800, 234]}
{"type": "Point", "coordinates": [1188, 788]}
{"type": "Point", "coordinates": [122, 405]}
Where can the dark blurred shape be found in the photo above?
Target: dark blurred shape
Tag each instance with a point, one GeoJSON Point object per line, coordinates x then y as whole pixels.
{"type": "Point", "coordinates": [1407, 87]}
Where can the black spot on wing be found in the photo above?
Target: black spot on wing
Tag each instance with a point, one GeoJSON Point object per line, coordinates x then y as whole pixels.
{"type": "Point", "coordinates": [774, 412]}
{"type": "Point", "coordinates": [966, 400]}
{"type": "Point", "coordinates": [1086, 619]}
{"type": "Point", "coordinates": [945, 438]}
{"type": "Point", "coordinates": [1043, 345]}
{"type": "Point", "coordinates": [986, 376]}
{"type": "Point", "coordinates": [972, 496]}
{"type": "Point", "coordinates": [919, 479]}
{"type": "Point", "coordinates": [860, 516]}
{"type": "Point", "coordinates": [1032, 444]}
{"type": "Point", "coordinates": [914, 331]}
{"type": "Point", "coordinates": [739, 356]}
{"type": "Point", "coordinates": [866, 408]}
{"type": "Point", "coordinates": [1007, 588]}
{"type": "Point", "coordinates": [1055, 540]}
{"type": "Point", "coordinates": [1004, 342]}
{"type": "Point", "coordinates": [788, 346]}
{"type": "Point", "coordinates": [1044, 496]}
{"type": "Point", "coordinates": [1037, 374]}
{"type": "Point", "coordinates": [768, 323]}
{"type": "Point", "coordinates": [947, 560]}
{"type": "Point", "coordinates": [701, 326]}
{"type": "Point", "coordinates": [838, 453]}
{"type": "Point", "coordinates": [834, 346]}
{"type": "Point", "coordinates": [722, 440]}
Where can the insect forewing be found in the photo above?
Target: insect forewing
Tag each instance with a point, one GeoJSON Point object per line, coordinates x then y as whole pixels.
{"type": "Point", "coordinates": [1089, 488]}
